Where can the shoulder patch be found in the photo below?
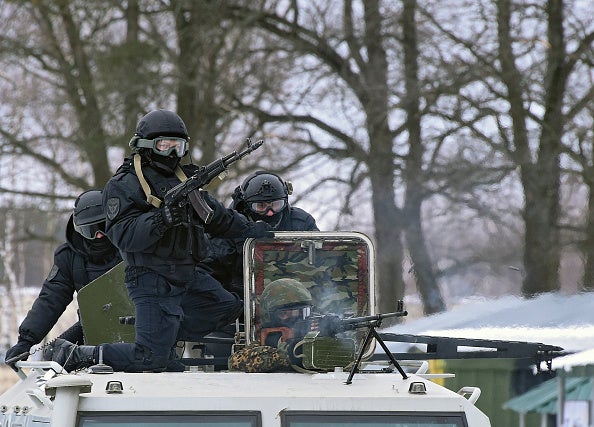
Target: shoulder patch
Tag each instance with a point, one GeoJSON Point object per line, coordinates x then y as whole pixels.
{"type": "Point", "coordinates": [53, 272]}
{"type": "Point", "coordinates": [113, 208]}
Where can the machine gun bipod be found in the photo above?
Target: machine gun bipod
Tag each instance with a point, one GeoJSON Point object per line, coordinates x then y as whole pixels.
{"type": "Point", "coordinates": [372, 322]}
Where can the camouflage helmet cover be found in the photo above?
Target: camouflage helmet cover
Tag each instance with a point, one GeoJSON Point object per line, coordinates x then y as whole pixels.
{"type": "Point", "coordinates": [283, 293]}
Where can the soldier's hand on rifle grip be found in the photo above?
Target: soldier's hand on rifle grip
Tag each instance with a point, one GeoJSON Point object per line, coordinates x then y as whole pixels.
{"type": "Point", "coordinates": [173, 215]}
{"type": "Point", "coordinates": [258, 229]}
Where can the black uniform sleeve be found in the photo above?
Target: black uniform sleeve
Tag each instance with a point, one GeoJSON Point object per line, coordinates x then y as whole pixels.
{"type": "Point", "coordinates": [132, 224]}
{"type": "Point", "coordinates": [225, 222]}
{"type": "Point", "coordinates": [55, 295]}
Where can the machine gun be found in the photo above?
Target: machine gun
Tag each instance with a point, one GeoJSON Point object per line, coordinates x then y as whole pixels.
{"type": "Point", "coordinates": [189, 190]}
{"type": "Point", "coordinates": [330, 325]}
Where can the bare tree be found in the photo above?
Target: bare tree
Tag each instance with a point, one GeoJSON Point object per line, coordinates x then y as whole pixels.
{"type": "Point", "coordinates": [51, 51]}
{"type": "Point", "coordinates": [398, 113]}
{"type": "Point", "coordinates": [355, 59]}
{"type": "Point", "coordinates": [8, 253]}
{"type": "Point", "coordinates": [413, 174]}
{"type": "Point", "coordinates": [210, 54]}
{"type": "Point", "coordinates": [525, 82]}
{"type": "Point", "coordinates": [579, 146]}
{"type": "Point", "coordinates": [540, 177]}
{"type": "Point", "coordinates": [68, 78]}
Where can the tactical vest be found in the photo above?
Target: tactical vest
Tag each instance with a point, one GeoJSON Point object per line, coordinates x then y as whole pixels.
{"type": "Point", "coordinates": [181, 245]}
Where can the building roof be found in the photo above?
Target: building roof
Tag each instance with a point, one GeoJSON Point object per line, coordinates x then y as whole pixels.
{"type": "Point", "coordinates": [552, 318]}
{"type": "Point", "coordinates": [572, 362]}
{"type": "Point", "coordinates": [543, 398]}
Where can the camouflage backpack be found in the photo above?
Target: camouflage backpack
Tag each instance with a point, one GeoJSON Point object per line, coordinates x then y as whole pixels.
{"type": "Point", "coordinates": [259, 358]}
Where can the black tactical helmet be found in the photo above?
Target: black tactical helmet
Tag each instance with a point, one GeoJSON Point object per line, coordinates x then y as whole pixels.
{"type": "Point", "coordinates": [88, 216]}
{"type": "Point", "coordinates": [156, 125]}
{"type": "Point", "coordinates": [260, 187]}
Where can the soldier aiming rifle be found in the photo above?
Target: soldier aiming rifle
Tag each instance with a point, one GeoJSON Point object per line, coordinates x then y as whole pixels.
{"type": "Point", "coordinates": [290, 335]}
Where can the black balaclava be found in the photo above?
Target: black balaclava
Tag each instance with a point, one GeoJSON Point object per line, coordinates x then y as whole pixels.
{"type": "Point", "coordinates": [164, 164]}
{"type": "Point", "coordinates": [99, 251]}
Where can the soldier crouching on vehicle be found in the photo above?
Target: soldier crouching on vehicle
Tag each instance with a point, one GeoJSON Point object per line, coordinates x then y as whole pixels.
{"type": "Point", "coordinates": [162, 245]}
{"type": "Point", "coordinates": [86, 255]}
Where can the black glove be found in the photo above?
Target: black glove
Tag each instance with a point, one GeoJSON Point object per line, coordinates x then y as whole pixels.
{"type": "Point", "coordinates": [22, 347]}
{"type": "Point", "coordinates": [173, 215]}
{"type": "Point", "coordinates": [257, 229]}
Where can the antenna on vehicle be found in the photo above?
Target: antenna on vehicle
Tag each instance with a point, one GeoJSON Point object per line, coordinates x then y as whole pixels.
{"type": "Point", "coordinates": [101, 368]}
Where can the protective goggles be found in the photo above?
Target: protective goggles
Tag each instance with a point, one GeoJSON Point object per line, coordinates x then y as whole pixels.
{"type": "Point", "coordinates": [300, 313]}
{"type": "Point", "coordinates": [165, 145]}
{"type": "Point", "coordinates": [262, 207]}
{"type": "Point", "coordinates": [90, 231]}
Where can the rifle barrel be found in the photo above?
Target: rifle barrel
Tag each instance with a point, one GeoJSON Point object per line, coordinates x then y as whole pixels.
{"type": "Point", "coordinates": [234, 156]}
{"type": "Point", "coordinates": [251, 147]}
{"type": "Point", "coordinates": [375, 317]}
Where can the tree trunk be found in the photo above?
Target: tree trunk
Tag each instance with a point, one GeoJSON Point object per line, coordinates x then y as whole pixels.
{"type": "Point", "coordinates": [388, 235]}
{"type": "Point", "coordinates": [588, 246]}
{"type": "Point", "coordinates": [415, 238]}
{"type": "Point", "coordinates": [387, 216]}
{"type": "Point", "coordinates": [541, 213]}
{"type": "Point", "coordinates": [197, 27]}
{"type": "Point", "coordinates": [83, 95]}
{"type": "Point", "coordinates": [541, 254]}
{"type": "Point", "coordinates": [131, 105]}
{"type": "Point", "coordinates": [539, 172]}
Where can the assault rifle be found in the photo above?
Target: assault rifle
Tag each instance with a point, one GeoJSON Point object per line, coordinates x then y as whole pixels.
{"type": "Point", "coordinates": [189, 190]}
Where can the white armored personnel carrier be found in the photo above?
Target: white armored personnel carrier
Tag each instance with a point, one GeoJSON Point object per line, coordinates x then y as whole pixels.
{"type": "Point", "coordinates": [343, 381]}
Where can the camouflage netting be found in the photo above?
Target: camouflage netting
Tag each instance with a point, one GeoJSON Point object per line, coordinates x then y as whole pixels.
{"type": "Point", "coordinates": [259, 358]}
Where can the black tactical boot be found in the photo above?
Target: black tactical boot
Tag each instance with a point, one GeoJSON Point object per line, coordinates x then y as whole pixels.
{"type": "Point", "coordinates": [70, 356]}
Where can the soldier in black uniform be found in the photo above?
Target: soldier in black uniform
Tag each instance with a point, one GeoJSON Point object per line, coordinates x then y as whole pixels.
{"type": "Point", "coordinates": [86, 255]}
{"type": "Point", "coordinates": [162, 245]}
{"type": "Point", "coordinates": [263, 196]}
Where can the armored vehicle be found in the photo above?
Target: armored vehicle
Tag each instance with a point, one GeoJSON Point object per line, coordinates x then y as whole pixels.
{"type": "Point", "coordinates": [346, 373]}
